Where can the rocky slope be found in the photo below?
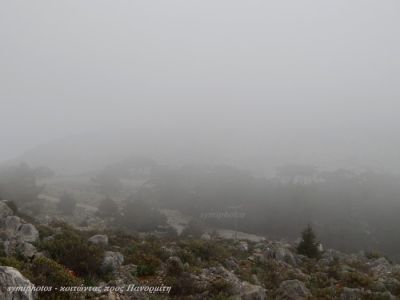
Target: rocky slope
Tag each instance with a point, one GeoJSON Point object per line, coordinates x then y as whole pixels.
{"type": "Point", "coordinates": [209, 267]}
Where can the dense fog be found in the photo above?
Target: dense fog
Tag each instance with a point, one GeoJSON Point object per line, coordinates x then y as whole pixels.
{"type": "Point", "coordinates": [260, 137]}
{"type": "Point", "coordinates": [254, 85]}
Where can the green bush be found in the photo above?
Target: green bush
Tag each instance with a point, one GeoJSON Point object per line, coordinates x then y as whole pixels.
{"type": "Point", "coordinates": [44, 231]}
{"type": "Point", "coordinates": [108, 208]}
{"type": "Point", "coordinates": [12, 205]}
{"type": "Point", "coordinates": [147, 264]}
{"type": "Point", "coordinates": [145, 270]}
{"type": "Point", "coordinates": [148, 254]}
{"type": "Point", "coordinates": [205, 250]}
{"type": "Point", "coordinates": [195, 229]}
{"type": "Point", "coordinates": [2, 252]}
{"type": "Point", "coordinates": [47, 272]}
{"type": "Point", "coordinates": [220, 286]}
{"type": "Point", "coordinates": [356, 280]}
{"type": "Point", "coordinates": [67, 204]}
{"type": "Point", "coordinates": [308, 245]}
{"type": "Point", "coordinates": [140, 216]}
{"type": "Point", "coordinates": [73, 251]}
{"type": "Point", "coordinates": [18, 183]}
{"type": "Point", "coordinates": [373, 254]}
{"type": "Point", "coordinates": [182, 285]}
{"type": "Point", "coordinates": [12, 262]}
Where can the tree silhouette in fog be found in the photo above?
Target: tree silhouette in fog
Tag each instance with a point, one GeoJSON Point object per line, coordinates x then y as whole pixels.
{"type": "Point", "coordinates": [67, 204]}
{"type": "Point", "coordinates": [308, 245]}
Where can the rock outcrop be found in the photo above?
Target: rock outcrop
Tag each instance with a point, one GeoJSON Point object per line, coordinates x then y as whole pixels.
{"type": "Point", "coordinates": [11, 278]}
{"type": "Point", "coordinates": [292, 290]}
{"type": "Point", "coordinates": [174, 266]}
{"type": "Point", "coordinates": [16, 235]}
{"type": "Point", "coordinates": [112, 261]}
{"type": "Point", "coordinates": [5, 211]}
{"type": "Point", "coordinates": [280, 252]}
{"type": "Point", "coordinates": [99, 239]}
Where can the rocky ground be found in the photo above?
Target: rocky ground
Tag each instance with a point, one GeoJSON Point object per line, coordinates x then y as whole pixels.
{"type": "Point", "coordinates": [209, 267]}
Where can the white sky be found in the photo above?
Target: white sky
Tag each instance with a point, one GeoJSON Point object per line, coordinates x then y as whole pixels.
{"type": "Point", "coordinates": [309, 78]}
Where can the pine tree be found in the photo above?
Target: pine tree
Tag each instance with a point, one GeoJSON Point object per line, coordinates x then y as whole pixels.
{"type": "Point", "coordinates": [108, 208]}
{"type": "Point", "coordinates": [308, 245]}
{"type": "Point", "coordinates": [67, 204]}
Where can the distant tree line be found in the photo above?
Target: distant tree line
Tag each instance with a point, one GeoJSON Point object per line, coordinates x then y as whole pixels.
{"type": "Point", "coordinates": [350, 211]}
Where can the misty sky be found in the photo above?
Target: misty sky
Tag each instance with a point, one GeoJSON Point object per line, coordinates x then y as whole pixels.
{"type": "Point", "coordinates": [296, 80]}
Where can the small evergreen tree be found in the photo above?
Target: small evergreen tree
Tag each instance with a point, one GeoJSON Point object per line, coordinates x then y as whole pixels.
{"type": "Point", "coordinates": [67, 204]}
{"type": "Point", "coordinates": [195, 228]}
{"type": "Point", "coordinates": [18, 184]}
{"type": "Point", "coordinates": [138, 215]}
{"type": "Point", "coordinates": [108, 208]}
{"type": "Point", "coordinates": [308, 245]}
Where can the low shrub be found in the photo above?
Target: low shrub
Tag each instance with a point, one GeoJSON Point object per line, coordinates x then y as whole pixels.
{"type": "Point", "coordinates": [47, 272]}
{"type": "Point", "coordinates": [72, 250]}
{"type": "Point", "coordinates": [356, 280]}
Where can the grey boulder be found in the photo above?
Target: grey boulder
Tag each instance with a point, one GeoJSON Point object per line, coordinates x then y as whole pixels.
{"type": "Point", "coordinates": [112, 261]}
{"type": "Point", "coordinates": [99, 239]}
{"type": "Point", "coordinates": [10, 278]}
{"type": "Point", "coordinates": [5, 211]}
{"type": "Point", "coordinates": [292, 290]}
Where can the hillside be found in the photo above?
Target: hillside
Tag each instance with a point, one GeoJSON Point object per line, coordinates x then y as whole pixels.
{"type": "Point", "coordinates": [165, 266]}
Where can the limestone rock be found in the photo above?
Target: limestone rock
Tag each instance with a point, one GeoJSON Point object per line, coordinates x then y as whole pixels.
{"type": "Point", "coordinates": [231, 263]}
{"type": "Point", "coordinates": [15, 229]}
{"type": "Point", "coordinates": [281, 253]}
{"type": "Point", "coordinates": [99, 239]}
{"type": "Point", "coordinates": [174, 266]}
{"type": "Point", "coordinates": [28, 233]}
{"type": "Point", "coordinates": [243, 246]}
{"type": "Point", "coordinates": [10, 226]}
{"type": "Point", "coordinates": [292, 290]}
{"type": "Point", "coordinates": [252, 292]}
{"type": "Point", "coordinates": [10, 277]}
{"type": "Point", "coordinates": [112, 261]}
{"type": "Point", "coordinates": [380, 267]}
{"type": "Point", "coordinates": [206, 236]}
{"type": "Point", "coordinates": [5, 211]}
{"type": "Point", "coordinates": [27, 250]}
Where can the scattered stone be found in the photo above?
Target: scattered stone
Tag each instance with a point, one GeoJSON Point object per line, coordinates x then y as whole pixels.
{"type": "Point", "coordinates": [244, 246]}
{"type": "Point", "coordinates": [252, 292]}
{"type": "Point", "coordinates": [331, 255]}
{"type": "Point", "coordinates": [99, 239]}
{"type": "Point", "coordinates": [205, 236]}
{"type": "Point", "coordinates": [231, 263]}
{"type": "Point", "coordinates": [280, 252]}
{"type": "Point", "coordinates": [380, 267]}
{"type": "Point", "coordinates": [168, 250]}
{"type": "Point", "coordinates": [391, 284]}
{"type": "Point", "coordinates": [292, 290]}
